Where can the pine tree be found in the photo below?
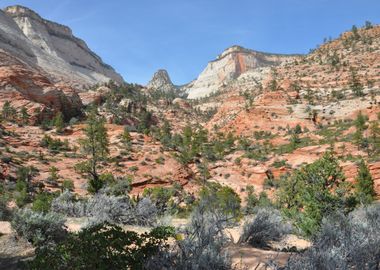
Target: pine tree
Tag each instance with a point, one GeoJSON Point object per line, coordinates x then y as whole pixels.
{"type": "Point", "coordinates": [298, 129]}
{"type": "Point", "coordinates": [375, 137]}
{"type": "Point", "coordinates": [96, 146]}
{"type": "Point", "coordinates": [294, 141]}
{"type": "Point", "coordinates": [365, 192]}
{"type": "Point", "coordinates": [204, 171]}
{"type": "Point", "coordinates": [252, 200]}
{"type": "Point", "coordinates": [58, 122]}
{"type": "Point", "coordinates": [360, 121]}
{"type": "Point", "coordinates": [24, 115]}
{"type": "Point", "coordinates": [53, 174]}
{"type": "Point", "coordinates": [360, 124]}
{"type": "Point", "coordinates": [165, 134]}
{"type": "Point", "coordinates": [355, 32]}
{"type": "Point", "coordinates": [126, 138]}
{"type": "Point", "coordinates": [368, 25]}
{"type": "Point", "coordinates": [8, 112]}
{"type": "Point", "coordinates": [355, 84]}
{"type": "Point", "coordinates": [314, 191]}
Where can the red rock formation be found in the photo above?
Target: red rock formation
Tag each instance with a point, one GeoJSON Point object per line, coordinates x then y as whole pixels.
{"type": "Point", "coordinates": [23, 85]}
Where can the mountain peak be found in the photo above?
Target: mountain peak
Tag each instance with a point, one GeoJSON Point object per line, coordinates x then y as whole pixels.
{"type": "Point", "coordinates": [161, 81]}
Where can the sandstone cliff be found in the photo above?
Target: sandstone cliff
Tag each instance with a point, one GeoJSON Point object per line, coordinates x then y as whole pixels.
{"type": "Point", "coordinates": [228, 66]}
{"type": "Point", "coordinates": [52, 48]}
{"type": "Point", "coordinates": [24, 86]}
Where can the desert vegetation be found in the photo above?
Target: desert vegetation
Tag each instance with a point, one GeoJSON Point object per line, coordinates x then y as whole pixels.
{"type": "Point", "coordinates": [143, 178]}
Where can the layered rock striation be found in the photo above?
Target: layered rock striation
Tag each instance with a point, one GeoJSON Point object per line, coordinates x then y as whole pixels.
{"type": "Point", "coordinates": [228, 66]}
{"type": "Point", "coordinates": [52, 48]}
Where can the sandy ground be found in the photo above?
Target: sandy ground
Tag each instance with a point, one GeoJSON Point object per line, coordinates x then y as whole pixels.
{"type": "Point", "coordinates": [247, 258]}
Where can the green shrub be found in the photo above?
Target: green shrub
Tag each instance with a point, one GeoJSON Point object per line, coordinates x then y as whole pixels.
{"type": "Point", "coordinates": [365, 191]}
{"type": "Point", "coordinates": [279, 163]}
{"type": "Point", "coordinates": [26, 174]}
{"type": "Point", "coordinates": [161, 197]}
{"type": "Point", "coordinates": [313, 192]}
{"type": "Point", "coordinates": [120, 187]}
{"type": "Point", "coordinates": [221, 198]}
{"type": "Point", "coordinates": [160, 160]}
{"type": "Point", "coordinates": [53, 177]}
{"type": "Point", "coordinates": [21, 194]}
{"type": "Point", "coordinates": [104, 246]}
{"type": "Point", "coordinates": [6, 159]}
{"type": "Point", "coordinates": [264, 200]}
{"type": "Point", "coordinates": [67, 184]}
{"type": "Point", "coordinates": [54, 144]}
{"type": "Point", "coordinates": [58, 122]}
{"type": "Point", "coordinates": [42, 202]}
{"type": "Point", "coordinates": [252, 200]}
{"type": "Point", "coordinates": [133, 168]}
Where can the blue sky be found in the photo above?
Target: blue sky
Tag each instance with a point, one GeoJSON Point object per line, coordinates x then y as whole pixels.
{"type": "Point", "coordinates": [137, 37]}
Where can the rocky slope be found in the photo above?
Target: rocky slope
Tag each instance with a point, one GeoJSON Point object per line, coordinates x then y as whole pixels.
{"type": "Point", "coordinates": [145, 161]}
{"type": "Point", "coordinates": [52, 48]}
{"type": "Point", "coordinates": [258, 97]}
{"type": "Point", "coordinates": [43, 66]}
{"type": "Point", "coordinates": [316, 88]}
{"type": "Point", "coordinates": [322, 92]}
{"type": "Point", "coordinates": [24, 86]}
{"type": "Point", "coordinates": [228, 66]}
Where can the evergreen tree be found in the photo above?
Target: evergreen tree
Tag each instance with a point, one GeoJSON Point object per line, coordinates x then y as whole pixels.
{"type": "Point", "coordinates": [96, 146]}
{"type": "Point", "coordinates": [252, 200]}
{"type": "Point", "coordinates": [146, 121]}
{"type": "Point", "coordinates": [273, 84]}
{"type": "Point", "coordinates": [204, 171]}
{"type": "Point", "coordinates": [294, 141]}
{"type": "Point", "coordinates": [355, 32]}
{"type": "Point", "coordinates": [365, 192]}
{"type": "Point", "coordinates": [24, 115]}
{"type": "Point", "coordinates": [355, 84]}
{"type": "Point", "coordinates": [375, 137]}
{"type": "Point", "coordinates": [298, 129]}
{"type": "Point", "coordinates": [53, 174]}
{"type": "Point", "coordinates": [8, 112]}
{"type": "Point", "coordinates": [368, 25]}
{"type": "Point", "coordinates": [360, 124]}
{"type": "Point", "coordinates": [360, 121]}
{"type": "Point", "coordinates": [58, 122]}
{"type": "Point", "coordinates": [313, 192]}
{"type": "Point", "coordinates": [166, 134]}
{"type": "Point", "coordinates": [126, 138]}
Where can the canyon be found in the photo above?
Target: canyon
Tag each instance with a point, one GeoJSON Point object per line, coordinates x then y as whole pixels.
{"type": "Point", "coordinates": [244, 92]}
{"type": "Point", "coordinates": [250, 122]}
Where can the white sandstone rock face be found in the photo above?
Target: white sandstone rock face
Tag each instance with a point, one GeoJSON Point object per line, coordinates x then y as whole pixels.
{"type": "Point", "coordinates": [228, 66]}
{"type": "Point", "coordinates": [51, 47]}
{"type": "Point", "coordinates": [161, 81]}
